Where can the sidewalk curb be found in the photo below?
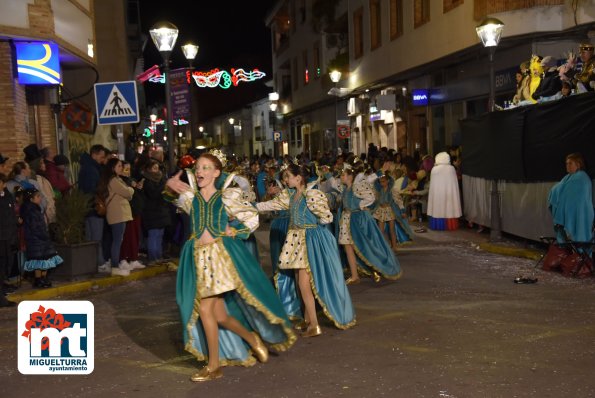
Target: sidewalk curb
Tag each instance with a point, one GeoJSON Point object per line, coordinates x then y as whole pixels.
{"type": "Point", "coordinates": [69, 288]}
{"type": "Point", "coordinates": [511, 251]}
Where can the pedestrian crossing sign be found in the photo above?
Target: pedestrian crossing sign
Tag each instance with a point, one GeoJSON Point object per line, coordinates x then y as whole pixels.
{"type": "Point", "coordinates": [116, 103]}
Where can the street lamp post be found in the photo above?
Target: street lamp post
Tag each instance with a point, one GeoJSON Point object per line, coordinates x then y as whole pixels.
{"type": "Point", "coordinates": [273, 103]}
{"type": "Point", "coordinates": [489, 32]}
{"type": "Point", "coordinates": [164, 35]}
{"type": "Point", "coordinates": [335, 78]}
{"type": "Point", "coordinates": [190, 50]}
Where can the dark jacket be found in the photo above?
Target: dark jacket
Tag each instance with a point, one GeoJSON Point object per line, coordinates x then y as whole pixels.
{"type": "Point", "coordinates": [549, 85]}
{"type": "Point", "coordinates": [155, 213]}
{"type": "Point", "coordinates": [39, 245]}
{"type": "Point", "coordinates": [8, 218]}
{"type": "Point", "coordinates": [88, 174]}
{"type": "Point", "coordinates": [56, 177]}
{"type": "Point", "coordinates": [138, 201]}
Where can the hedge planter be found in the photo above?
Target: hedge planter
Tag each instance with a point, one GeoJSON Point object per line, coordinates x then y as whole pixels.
{"type": "Point", "coordinates": [79, 260]}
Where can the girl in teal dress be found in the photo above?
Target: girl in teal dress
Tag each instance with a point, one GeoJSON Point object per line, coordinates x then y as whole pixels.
{"type": "Point", "coordinates": [311, 251]}
{"type": "Point", "coordinates": [389, 211]}
{"type": "Point", "coordinates": [364, 243]}
{"type": "Point", "coordinates": [227, 305]}
{"type": "Point", "coordinates": [283, 279]}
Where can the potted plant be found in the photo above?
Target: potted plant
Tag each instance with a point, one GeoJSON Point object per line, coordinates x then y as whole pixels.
{"type": "Point", "coordinates": [69, 234]}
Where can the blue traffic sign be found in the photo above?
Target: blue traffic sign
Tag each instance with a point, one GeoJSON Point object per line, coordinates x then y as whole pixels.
{"type": "Point", "coordinates": [116, 103]}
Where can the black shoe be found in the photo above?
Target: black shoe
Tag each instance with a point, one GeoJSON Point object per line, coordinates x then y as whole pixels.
{"type": "Point", "coordinates": [38, 282]}
{"type": "Point", "coordinates": [46, 282]}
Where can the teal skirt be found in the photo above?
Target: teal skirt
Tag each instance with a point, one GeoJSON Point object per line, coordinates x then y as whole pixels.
{"type": "Point", "coordinates": [254, 304]}
{"type": "Point", "coordinates": [372, 250]}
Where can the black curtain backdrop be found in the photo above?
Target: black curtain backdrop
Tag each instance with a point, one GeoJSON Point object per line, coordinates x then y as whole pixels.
{"type": "Point", "coordinates": [529, 144]}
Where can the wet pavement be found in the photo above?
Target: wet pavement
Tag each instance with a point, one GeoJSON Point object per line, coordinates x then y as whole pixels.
{"type": "Point", "coordinates": [454, 325]}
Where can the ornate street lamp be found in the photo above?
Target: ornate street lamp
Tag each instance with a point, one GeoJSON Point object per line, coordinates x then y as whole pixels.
{"type": "Point", "coordinates": [190, 50]}
{"type": "Point", "coordinates": [489, 32]}
{"type": "Point", "coordinates": [164, 35]}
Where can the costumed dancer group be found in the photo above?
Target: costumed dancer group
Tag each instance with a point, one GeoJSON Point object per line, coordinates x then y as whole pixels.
{"type": "Point", "coordinates": [231, 313]}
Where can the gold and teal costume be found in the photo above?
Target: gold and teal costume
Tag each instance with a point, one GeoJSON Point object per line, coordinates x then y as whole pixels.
{"type": "Point", "coordinates": [225, 267]}
{"type": "Point", "coordinates": [358, 228]}
{"type": "Point", "coordinates": [389, 207]}
{"type": "Point", "coordinates": [310, 246]}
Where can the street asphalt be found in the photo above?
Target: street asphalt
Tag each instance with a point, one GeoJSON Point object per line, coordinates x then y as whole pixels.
{"type": "Point", "coordinates": [454, 325]}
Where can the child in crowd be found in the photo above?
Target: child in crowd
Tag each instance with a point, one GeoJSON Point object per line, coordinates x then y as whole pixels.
{"type": "Point", "coordinates": [40, 253]}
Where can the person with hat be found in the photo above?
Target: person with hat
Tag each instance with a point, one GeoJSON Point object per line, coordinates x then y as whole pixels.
{"type": "Point", "coordinates": [585, 78]}
{"type": "Point", "coordinates": [31, 152]}
{"type": "Point", "coordinates": [550, 83]}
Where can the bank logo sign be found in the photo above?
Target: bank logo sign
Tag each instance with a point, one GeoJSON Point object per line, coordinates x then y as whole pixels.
{"type": "Point", "coordinates": [38, 63]}
{"type": "Point", "coordinates": [56, 337]}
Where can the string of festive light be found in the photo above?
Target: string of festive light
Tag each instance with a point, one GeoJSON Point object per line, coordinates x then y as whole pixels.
{"type": "Point", "coordinates": [217, 78]}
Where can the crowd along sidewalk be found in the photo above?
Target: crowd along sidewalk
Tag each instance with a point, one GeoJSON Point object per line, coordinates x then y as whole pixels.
{"type": "Point", "coordinates": [508, 246]}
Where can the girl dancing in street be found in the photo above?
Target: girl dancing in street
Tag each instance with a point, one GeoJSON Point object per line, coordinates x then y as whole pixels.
{"type": "Point", "coordinates": [219, 282]}
{"type": "Point", "coordinates": [359, 234]}
{"type": "Point", "coordinates": [311, 251]}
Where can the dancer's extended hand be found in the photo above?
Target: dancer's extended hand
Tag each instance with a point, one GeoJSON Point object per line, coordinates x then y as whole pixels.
{"type": "Point", "coordinates": [177, 185]}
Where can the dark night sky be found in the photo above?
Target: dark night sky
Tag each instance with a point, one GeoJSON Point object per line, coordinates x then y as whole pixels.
{"type": "Point", "coordinates": [228, 33]}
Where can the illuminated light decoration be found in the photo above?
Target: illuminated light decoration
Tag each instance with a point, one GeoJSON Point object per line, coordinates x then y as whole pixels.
{"type": "Point", "coordinates": [215, 77]}
{"type": "Point", "coordinates": [307, 76]}
{"type": "Point", "coordinates": [181, 122]}
{"type": "Point", "coordinates": [158, 78]}
{"type": "Point", "coordinates": [153, 71]}
{"type": "Point", "coordinates": [38, 63]}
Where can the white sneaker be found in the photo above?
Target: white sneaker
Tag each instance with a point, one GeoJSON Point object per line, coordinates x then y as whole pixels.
{"type": "Point", "coordinates": [136, 265]}
{"type": "Point", "coordinates": [125, 265]}
{"type": "Point", "coordinates": [120, 272]}
{"type": "Point", "coordinates": [105, 267]}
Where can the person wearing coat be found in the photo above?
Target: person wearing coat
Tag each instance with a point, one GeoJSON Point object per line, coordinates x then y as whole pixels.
{"type": "Point", "coordinates": [155, 215]}
{"type": "Point", "coordinates": [571, 203]}
{"type": "Point", "coordinates": [40, 253]}
{"type": "Point", "coordinates": [88, 179]}
{"type": "Point", "coordinates": [444, 200]}
{"type": "Point", "coordinates": [8, 237]}
{"type": "Point", "coordinates": [117, 195]}
{"type": "Point", "coordinates": [54, 172]}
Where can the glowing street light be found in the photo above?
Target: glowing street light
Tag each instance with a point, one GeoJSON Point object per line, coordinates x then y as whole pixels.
{"type": "Point", "coordinates": [489, 32]}
{"type": "Point", "coordinates": [164, 36]}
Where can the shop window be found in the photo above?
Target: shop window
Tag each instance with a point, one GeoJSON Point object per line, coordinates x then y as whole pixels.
{"type": "Point", "coordinates": [375, 24]}
{"type": "Point", "coordinates": [396, 18]}
{"type": "Point", "coordinates": [421, 12]}
{"type": "Point", "coordinates": [358, 33]}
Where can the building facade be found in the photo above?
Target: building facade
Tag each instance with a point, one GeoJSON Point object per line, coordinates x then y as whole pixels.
{"type": "Point", "coordinates": [92, 39]}
{"type": "Point", "coordinates": [413, 69]}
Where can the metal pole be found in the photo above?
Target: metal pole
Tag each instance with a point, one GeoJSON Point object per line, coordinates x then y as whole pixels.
{"type": "Point", "coordinates": [492, 99]}
{"type": "Point", "coordinates": [169, 120]}
{"type": "Point", "coordinates": [495, 218]}
{"type": "Point", "coordinates": [336, 137]}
